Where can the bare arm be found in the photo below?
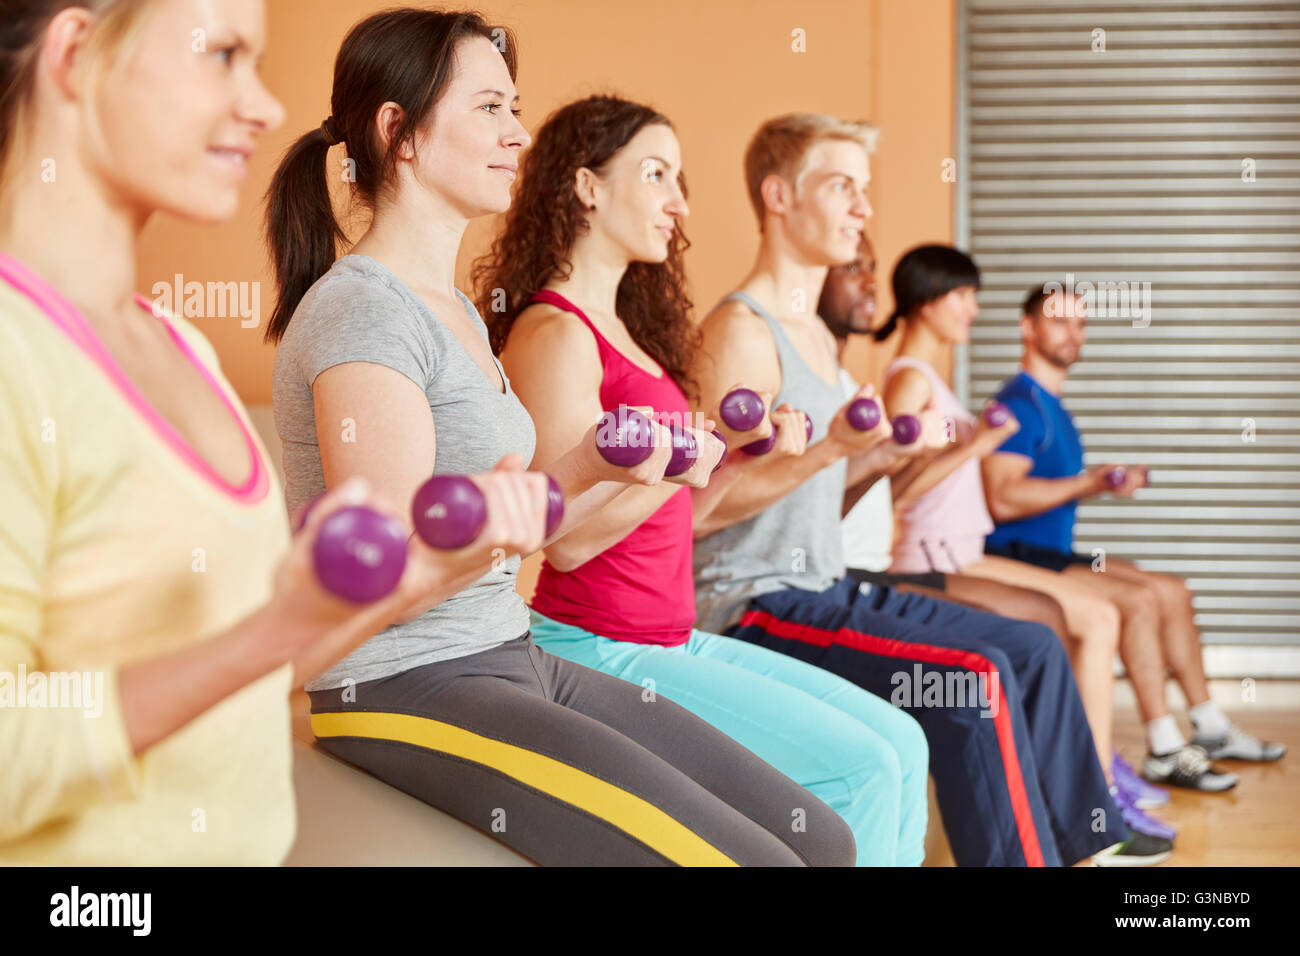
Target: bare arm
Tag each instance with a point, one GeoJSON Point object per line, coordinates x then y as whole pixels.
{"type": "Point", "coordinates": [1012, 494]}
{"type": "Point", "coordinates": [564, 399]}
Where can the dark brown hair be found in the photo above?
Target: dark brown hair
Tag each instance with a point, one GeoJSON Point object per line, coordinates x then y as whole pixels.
{"type": "Point", "coordinates": [546, 217]}
{"type": "Point", "coordinates": [405, 56]}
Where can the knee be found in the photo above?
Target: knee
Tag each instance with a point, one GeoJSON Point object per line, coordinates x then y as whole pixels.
{"type": "Point", "coordinates": [827, 839]}
{"type": "Point", "coordinates": [1174, 593]}
{"type": "Point", "coordinates": [1140, 606]}
{"type": "Point", "coordinates": [1103, 624]}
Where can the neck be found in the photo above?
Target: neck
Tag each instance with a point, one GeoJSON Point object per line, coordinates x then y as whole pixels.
{"type": "Point", "coordinates": [74, 235]}
{"type": "Point", "coordinates": [788, 283]}
{"type": "Point", "coordinates": [417, 237]}
{"type": "Point", "coordinates": [920, 342]}
{"type": "Point", "coordinates": [1050, 376]}
{"type": "Point", "coordinates": [597, 269]}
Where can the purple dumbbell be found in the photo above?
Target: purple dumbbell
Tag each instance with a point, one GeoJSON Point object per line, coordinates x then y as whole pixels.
{"type": "Point", "coordinates": [762, 446]}
{"type": "Point", "coordinates": [449, 512]}
{"type": "Point", "coordinates": [864, 414]}
{"type": "Point", "coordinates": [302, 518]}
{"type": "Point", "coordinates": [554, 505]}
{"type": "Point", "coordinates": [723, 460]}
{"type": "Point", "coordinates": [907, 429]}
{"type": "Point", "coordinates": [807, 427]}
{"type": "Point", "coordinates": [997, 415]}
{"type": "Point", "coordinates": [742, 409]}
{"type": "Point", "coordinates": [1116, 476]}
{"type": "Point", "coordinates": [625, 437]}
{"type": "Point", "coordinates": [685, 451]}
{"type": "Point", "coordinates": [359, 554]}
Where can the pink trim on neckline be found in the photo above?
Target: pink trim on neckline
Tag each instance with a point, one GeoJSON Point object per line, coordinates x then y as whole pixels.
{"type": "Point", "coordinates": [72, 323]}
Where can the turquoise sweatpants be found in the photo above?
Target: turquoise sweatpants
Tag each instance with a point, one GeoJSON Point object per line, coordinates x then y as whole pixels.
{"type": "Point", "coordinates": [861, 755]}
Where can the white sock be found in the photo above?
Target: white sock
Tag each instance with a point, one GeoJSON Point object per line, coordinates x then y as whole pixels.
{"type": "Point", "coordinates": [1163, 735]}
{"type": "Point", "coordinates": [1209, 720]}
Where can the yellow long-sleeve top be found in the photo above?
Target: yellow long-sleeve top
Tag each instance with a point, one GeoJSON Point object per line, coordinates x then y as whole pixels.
{"type": "Point", "coordinates": [119, 544]}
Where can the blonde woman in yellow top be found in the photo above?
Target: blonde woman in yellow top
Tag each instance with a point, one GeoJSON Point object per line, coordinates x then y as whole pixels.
{"type": "Point", "coordinates": [154, 610]}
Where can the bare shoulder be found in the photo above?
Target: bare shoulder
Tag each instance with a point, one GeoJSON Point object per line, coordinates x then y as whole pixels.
{"type": "Point", "coordinates": [730, 318]}
{"type": "Point", "coordinates": [542, 326]}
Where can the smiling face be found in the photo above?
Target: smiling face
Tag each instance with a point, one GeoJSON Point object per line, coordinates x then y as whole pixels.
{"type": "Point", "coordinates": [468, 150]}
{"type": "Point", "coordinates": [1059, 332]}
{"type": "Point", "coordinates": [827, 212]}
{"type": "Point", "coordinates": [951, 316]}
{"type": "Point", "coordinates": [849, 296]}
{"type": "Point", "coordinates": [177, 119]}
{"type": "Point", "coordinates": [638, 195]}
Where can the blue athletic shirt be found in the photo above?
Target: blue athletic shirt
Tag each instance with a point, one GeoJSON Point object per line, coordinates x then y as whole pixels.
{"type": "Point", "coordinates": [1048, 437]}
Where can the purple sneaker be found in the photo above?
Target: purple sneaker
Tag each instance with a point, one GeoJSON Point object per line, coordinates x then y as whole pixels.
{"type": "Point", "coordinates": [1145, 796]}
{"type": "Point", "coordinates": [1135, 819]}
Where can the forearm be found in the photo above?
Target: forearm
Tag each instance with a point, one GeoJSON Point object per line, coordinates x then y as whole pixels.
{"type": "Point", "coordinates": [853, 495]}
{"type": "Point", "coordinates": [1025, 497]}
{"type": "Point", "coordinates": [706, 500]}
{"type": "Point", "coordinates": [928, 474]}
{"type": "Point", "coordinates": [614, 522]}
{"type": "Point", "coordinates": [765, 484]}
{"type": "Point", "coordinates": [161, 695]}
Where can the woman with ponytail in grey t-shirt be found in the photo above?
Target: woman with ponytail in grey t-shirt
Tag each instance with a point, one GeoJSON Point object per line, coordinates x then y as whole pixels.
{"type": "Point", "coordinates": [384, 370]}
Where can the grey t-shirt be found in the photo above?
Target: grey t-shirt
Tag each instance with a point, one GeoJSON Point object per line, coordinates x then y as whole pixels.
{"type": "Point", "coordinates": [795, 542]}
{"type": "Point", "coordinates": [359, 311]}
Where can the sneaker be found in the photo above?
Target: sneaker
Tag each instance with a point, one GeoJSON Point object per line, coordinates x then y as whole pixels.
{"type": "Point", "coordinates": [1145, 796]}
{"type": "Point", "coordinates": [1140, 849]}
{"type": "Point", "coordinates": [1189, 766]}
{"type": "Point", "coordinates": [1236, 744]}
{"type": "Point", "coordinates": [1135, 819]}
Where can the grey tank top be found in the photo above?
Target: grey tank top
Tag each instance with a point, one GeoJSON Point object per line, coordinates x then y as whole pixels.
{"type": "Point", "coordinates": [360, 311]}
{"type": "Point", "coordinates": [796, 542]}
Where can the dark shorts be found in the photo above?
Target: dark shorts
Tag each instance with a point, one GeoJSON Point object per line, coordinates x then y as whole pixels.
{"type": "Point", "coordinates": [929, 579]}
{"type": "Point", "coordinates": [1048, 558]}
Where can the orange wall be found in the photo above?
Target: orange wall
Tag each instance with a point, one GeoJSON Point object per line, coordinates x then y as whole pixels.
{"type": "Point", "coordinates": [717, 69]}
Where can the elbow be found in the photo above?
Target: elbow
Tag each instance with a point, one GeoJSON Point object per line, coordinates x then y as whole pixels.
{"type": "Point", "coordinates": [565, 559]}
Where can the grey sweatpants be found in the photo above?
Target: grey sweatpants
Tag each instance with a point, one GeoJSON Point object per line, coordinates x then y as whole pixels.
{"type": "Point", "coordinates": [573, 767]}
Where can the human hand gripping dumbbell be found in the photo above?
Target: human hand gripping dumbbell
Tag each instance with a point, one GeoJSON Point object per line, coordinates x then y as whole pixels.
{"type": "Point", "coordinates": [861, 424]}
{"type": "Point", "coordinates": [996, 424]}
{"type": "Point", "coordinates": [641, 449]}
{"type": "Point", "coordinates": [353, 569]}
{"type": "Point", "coordinates": [360, 553]}
{"type": "Point", "coordinates": [1120, 480]}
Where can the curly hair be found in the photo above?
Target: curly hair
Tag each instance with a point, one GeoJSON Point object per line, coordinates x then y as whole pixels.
{"type": "Point", "coordinates": [546, 218]}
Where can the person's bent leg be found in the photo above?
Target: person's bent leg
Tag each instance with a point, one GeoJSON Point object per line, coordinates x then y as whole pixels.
{"type": "Point", "coordinates": [1005, 600]}
{"type": "Point", "coordinates": [981, 754]}
{"type": "Point", "coordinates": [479, 738]}
{"type": "Point", "coordinates": [838, 758]}
{"type": "Point", "coordinates": [1140, 644]}
{"type": "Point", "coordinates": [1094, 625]}
{"type": "Point", "coordinates": [903, 733]}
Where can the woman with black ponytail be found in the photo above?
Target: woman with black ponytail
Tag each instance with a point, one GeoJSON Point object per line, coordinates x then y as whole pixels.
{"type": "Point", "coordinates": [384, 370]}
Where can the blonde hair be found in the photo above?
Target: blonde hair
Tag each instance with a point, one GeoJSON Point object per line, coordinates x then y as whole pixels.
{"type": "Point", "coordinates": [117, 26]}
{"type": "Point", "coordinates": [781, 147]}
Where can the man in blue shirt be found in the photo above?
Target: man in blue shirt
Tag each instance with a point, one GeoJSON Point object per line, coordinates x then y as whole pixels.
{"type": "Point", "coordinates": [1033, 484]}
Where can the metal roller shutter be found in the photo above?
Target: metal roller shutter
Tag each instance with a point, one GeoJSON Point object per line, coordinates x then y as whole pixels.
{"type": "Point", "coordinates": [1130, 165]}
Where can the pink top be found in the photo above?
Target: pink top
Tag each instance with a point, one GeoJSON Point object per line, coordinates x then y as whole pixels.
{"type": "Point", "coordinates": [641, 589]}
{"type": "Point", "coordinates": [944, 529]}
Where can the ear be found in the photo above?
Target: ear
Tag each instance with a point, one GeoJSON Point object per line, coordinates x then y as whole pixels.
{"type": "Point", "coordinates": [585, 183]}
{"type": "Point", "coordinates": [387, 120]}
{"type": "Point", "coordinates": [63, 48]}
{"type": "Point", "coordinates": [776, 193]}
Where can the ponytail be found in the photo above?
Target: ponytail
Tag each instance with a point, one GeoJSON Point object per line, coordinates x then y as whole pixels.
{"type": "Point", "coordinates": [301, 229]}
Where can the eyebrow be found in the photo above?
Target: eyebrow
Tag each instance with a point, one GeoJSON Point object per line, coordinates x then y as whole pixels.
{"type": "Point", "coordinates": [500, 93]}
{"type": "Point", "coordinates": [660, 159]}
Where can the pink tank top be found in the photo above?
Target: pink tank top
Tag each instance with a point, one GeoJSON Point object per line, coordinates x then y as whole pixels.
{"type": "Point", "coordinates": [642, 588]}
{"type": "Point", "coordinates": [944, 529]}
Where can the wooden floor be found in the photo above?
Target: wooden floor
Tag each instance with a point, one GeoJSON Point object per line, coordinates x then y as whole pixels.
{"type": "Point", "coordinates": [1257, 823]}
